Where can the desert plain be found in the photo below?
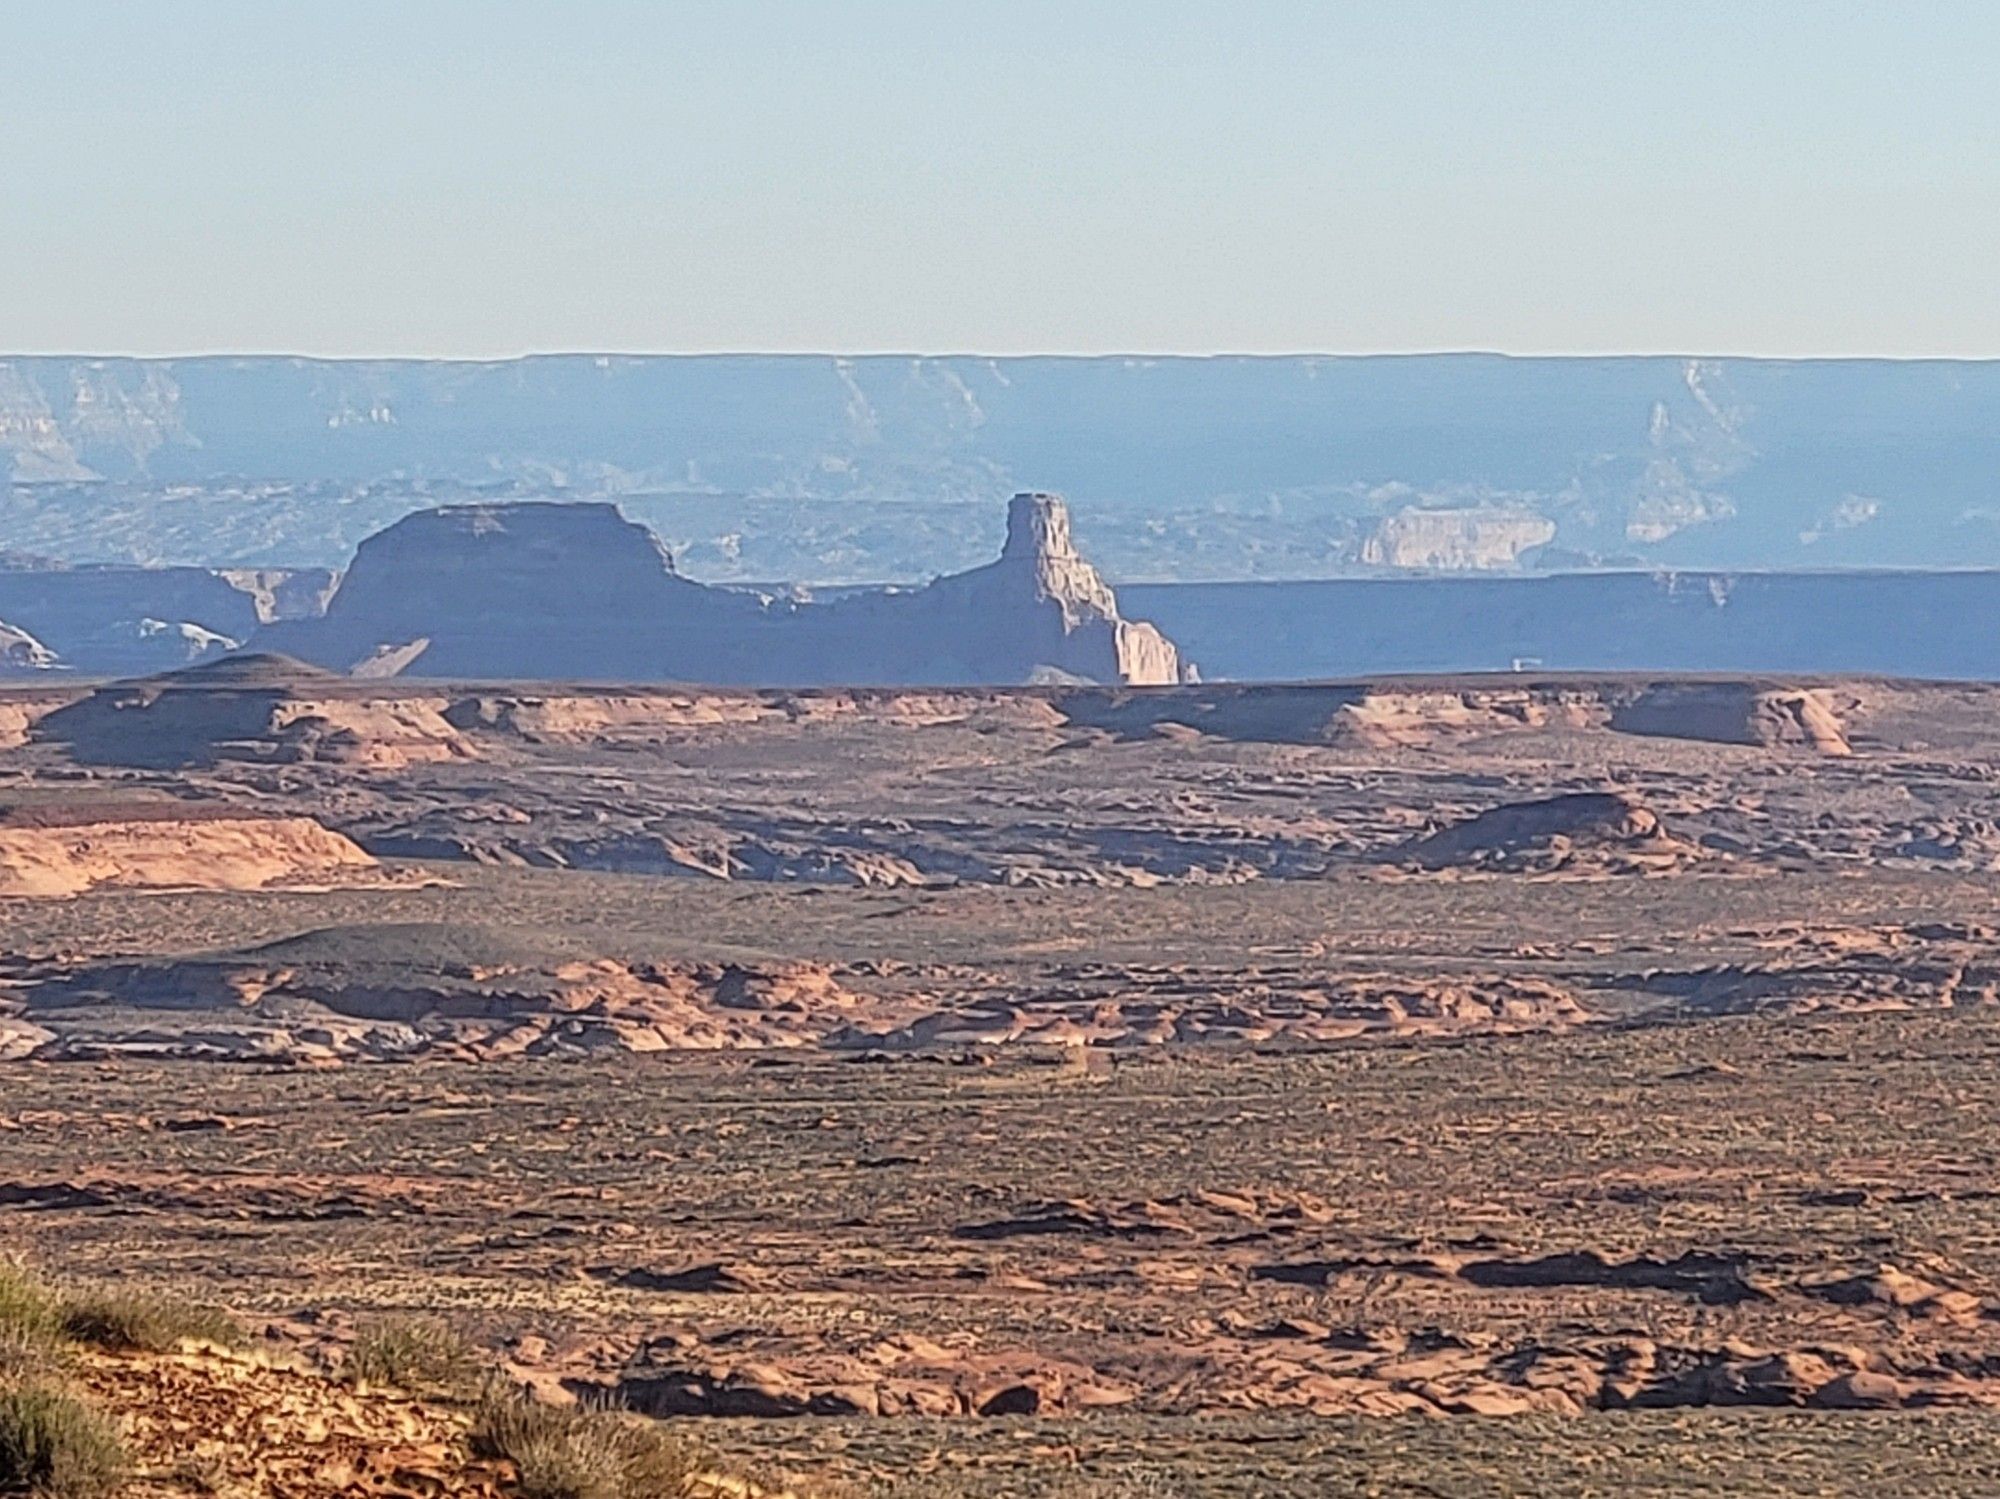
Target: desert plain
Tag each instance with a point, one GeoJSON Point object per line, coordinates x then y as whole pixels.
{"type": "Point", "coordinates": [1484, 1085]}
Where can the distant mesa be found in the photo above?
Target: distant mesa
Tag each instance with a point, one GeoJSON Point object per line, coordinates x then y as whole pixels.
{"type": "Point", "coordinates": [538, 590]}
{"type": "Point", "coordinates": [1425, 713]}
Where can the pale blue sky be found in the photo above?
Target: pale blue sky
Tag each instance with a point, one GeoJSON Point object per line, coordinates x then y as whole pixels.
{"type": "Point", "coordinates": [485, 177]}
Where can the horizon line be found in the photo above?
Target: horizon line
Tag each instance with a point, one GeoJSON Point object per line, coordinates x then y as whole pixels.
{"type": "Point", "coordinates": [1184, 355]}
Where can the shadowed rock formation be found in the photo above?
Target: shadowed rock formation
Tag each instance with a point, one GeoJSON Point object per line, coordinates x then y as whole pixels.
{"type": "Point", "coordinates": [1736, 713]}
{"type": "Point", "coordinates": [537, 590]}
{"type": "Point", "coordinates": [1611, 829]}
{"type": "Point", "coordinates": [251, 708]}
{"type": "Point", "coordinates": [105, 620]}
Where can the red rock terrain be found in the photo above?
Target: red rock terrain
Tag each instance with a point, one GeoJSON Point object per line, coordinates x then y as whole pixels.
{"type": "Point", "coordinates": [148, 845]}
{"type": "Point", "coordinates": [865, 1075]}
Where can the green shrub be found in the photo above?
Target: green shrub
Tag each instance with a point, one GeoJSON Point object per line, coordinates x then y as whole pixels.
{"type": "Point", "coordinates": [422, 1355]}
{"type": "Point", "coordinates": [576, 1452]}
{"type": "Point", "coordinates": [53, 1445]}
{"type": "Point", "coordinates": [145, 1322]}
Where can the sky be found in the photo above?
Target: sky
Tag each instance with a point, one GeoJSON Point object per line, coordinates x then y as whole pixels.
{"type": "Point", "coordinates": [480, 178]}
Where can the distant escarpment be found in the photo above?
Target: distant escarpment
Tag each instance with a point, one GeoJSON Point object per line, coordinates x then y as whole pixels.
{"type": "Point", "coordinates": [124, 621]}
{"type": "Point", "coordinates": [821, 467]}
{"type": "Point", "coordinates": [551, 591]}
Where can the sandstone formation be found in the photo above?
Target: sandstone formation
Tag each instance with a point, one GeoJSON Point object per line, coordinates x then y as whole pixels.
{"type": "Point", "coordinates": [1612, 830]}
{"type": "Point", "coordinates": [577, 592]}
{"type": "Point", "coordinates": [283, 592]}
{"type": "Point", "coordinates": [125, 620]}
{"type": "Point", "coordinates": [1414, 713]}
{"type": "Point", "coordinates": [1043, 788]}
{"type": "Point", "coordinates": [399, 992]}
{"type": "Point", "coordinates": [252, 708]}
{"type": "Point", "coordinates": [1802, 969]}
{"type": "Point", "coordinates": [152, 846]}
{"type": "Point", "coordinates": [1736, 713]}
{"type": "Point", "coordinates": [467, 992]}
{"type": "Point", "coordinates": [23, 707]}
{"type": "Point", "coordinates": [1041, 612]}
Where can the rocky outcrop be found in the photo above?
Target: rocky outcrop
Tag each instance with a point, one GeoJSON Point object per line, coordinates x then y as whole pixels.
{"type": "Point", "coordinates": [283, 592]}
{"type": "Point", "coordinates": [1737, 713]}
{"type": "Point", "coordinates": [255, 708]}
{"type": "Point", "coordinates": [402, 991]}
{"type": "Point", "coordinates": [1608, 829]}
{"type": "Point", "coordinates": [1040, 613]}
{"type": "Point", "coordinates": [156, 847]}
{"type": "Point", "coordinates": [530, 591]}
{"type": "Point", "coordinates": [399, 992]}
{"type": "Point", "coordinates": [547, 591]}
{"type": "Point", "coordinates": [21, 708]}
{"type": "Point", "coordinates": [1424, 713]}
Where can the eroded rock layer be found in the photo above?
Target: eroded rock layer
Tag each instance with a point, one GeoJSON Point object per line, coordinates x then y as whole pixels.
{"type": "Point", "coordinates": [150, 846]}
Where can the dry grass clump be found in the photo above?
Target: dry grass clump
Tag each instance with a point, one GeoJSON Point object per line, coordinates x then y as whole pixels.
{"type": "Point", "coordinates": [54, 1446]}
{"type": "Point", "coordinates": [30, 1312]}
{"type": "Point", "coordinates": [576, 1452]}
{"type": "Point", "coordinates": [25, 1358]}
{"type": "Point", "coordinates": [422, 1355]}
{"type": "Point", "coordinates": [145, 1321]}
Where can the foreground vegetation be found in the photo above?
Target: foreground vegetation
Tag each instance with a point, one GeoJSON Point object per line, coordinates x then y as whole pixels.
{"type": "Point", "coordinates": [56, 1443]}
{"type": "Point", "coordinates": [52, 1441]}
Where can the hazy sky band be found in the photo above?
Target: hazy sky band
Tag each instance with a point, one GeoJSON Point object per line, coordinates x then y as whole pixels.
{"type": "Point", "coordinates": [485, 177]}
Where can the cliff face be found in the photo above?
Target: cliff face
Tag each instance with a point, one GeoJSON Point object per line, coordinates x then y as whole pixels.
{"type": "Point", "coordinates": [1683, 462]}
{"type": "Point", "coordinates": [1040, 611]}
{"type": "Point", "coordinates": [535, 590]}
{"type": "Point", "coordinates": [1475, 540]}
